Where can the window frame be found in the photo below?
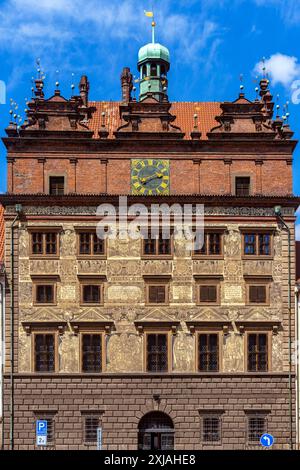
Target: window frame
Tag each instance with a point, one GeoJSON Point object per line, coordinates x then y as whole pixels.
{"type": "Point", "coordinates": [157, 331]}
{"type": "Point", "coordinates": [44, 331]}
{"type": "Point", "coordinates": [49, 184]}
{"type": "Point", "coordinates": [43, 231]}
{"type": "Point", "coordinates": [206, 255]}
{"type": "Point", "coordinates": [92, 331]}
{"type": "Point", "coordinates": [206, 331]}
{"type": "Point", "coordinates": [157, 255]}
{"type": "Point", "coordinates": [255, 414]}
{"type": "Point", "coordinates": [90, 414]}
{"type": "Point", "coordinates": [91, 231]}
{"type": "Point", "coordinates": [157, 282]}
{"type": "Point", "coordinates": [211, 414]}
{"type": "Point", "coordinates": [258, 232]}
{"type": "Point", "coordinates": [208, 282]}
{"type": "Point", "coordinates": [258, 331]}
{"type": "Point", "coordinates": [91, 281]}
{"type": "Point", "coordinates": [235, 185]}
{"type": "Point", "coordinates": [258, 283]}
{"type": "Point", "coordinates": [44, 282]}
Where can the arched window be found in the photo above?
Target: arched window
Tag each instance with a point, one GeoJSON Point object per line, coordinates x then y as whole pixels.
{"type": "Point", "coordinates": [144, 71]}
{"type": "Point", "coordinates": [162, 71]}
{"type": "Point", "coordinates": [156, 432]}
{"type": "Point", "coordinates": [153, 70]}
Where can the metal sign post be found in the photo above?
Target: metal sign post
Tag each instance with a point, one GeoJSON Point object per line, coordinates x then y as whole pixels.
{"type": "Point", "coordinates": [99, 438]}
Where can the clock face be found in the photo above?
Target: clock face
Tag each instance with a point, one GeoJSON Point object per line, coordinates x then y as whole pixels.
{"type": "Point", "coordinates": [150, 177]}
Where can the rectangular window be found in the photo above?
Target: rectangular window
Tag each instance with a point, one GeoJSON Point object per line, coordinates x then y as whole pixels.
{"type": "Point", "coordinates": [242, 186]}
{"type": "Point", "coordinates": [44, 243]}
{"type": "Point", "coordinates": [212, 245]}
{"type": "Point", "coordinates": [91, 352]}
{"type": "Point", "coordinates": [208, 294]}
{"type": "Point", "coordinates": [91, 423]}
{"type": "Point", "coordinates": [158, 246]}
{"type": "Point", "coordinates": [257, 244]}
{"type": "Point", "coordinates": [256, 427]}
{"type": "Point", "coordinates": [264, 244]}
{"type": "Point", "coordinates": [44, 352]}
{"type": "Point", "coordinates": [90, 244]}
{"type": "Point", "coordinates": [157, 293]}
{"type": "Point", "coordinates": [211, 429]}
{"type": "Point", "coordinates": [157, 352]}
{"type": "Point", "coordinates": [56, 185]}
{"type": "Point", "coordinates": [44, 294]}
{"type": "Point", "coordinates": [50, 430]}
{"type": "Point", "coordinates": [208, 352]}
{"type": "Point", "coordinates": [91, 294]}
{"type": "Point", "coordinates": [257, 352]}
{"type": "Point", "coordinates": [257, 294]}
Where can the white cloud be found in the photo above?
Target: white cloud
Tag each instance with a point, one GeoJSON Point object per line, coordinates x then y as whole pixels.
{"type": "Point", "coordinates": [282, 69]}
{"type": "Point", "coordinates": [59, 30]}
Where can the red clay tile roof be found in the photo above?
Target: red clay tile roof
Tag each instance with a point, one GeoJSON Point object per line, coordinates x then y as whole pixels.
{"type": "Point", "coordinates": [1, 234]}
{"type": "Point", "coordinates": [184, 112]}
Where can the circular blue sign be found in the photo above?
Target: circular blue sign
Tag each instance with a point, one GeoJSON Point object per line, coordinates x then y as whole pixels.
{"type": "Point", "coordinates": [267, 440]}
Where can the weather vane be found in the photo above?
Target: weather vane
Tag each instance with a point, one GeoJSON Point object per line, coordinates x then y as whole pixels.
{"type": "Point", "coordinates": [150, 14]}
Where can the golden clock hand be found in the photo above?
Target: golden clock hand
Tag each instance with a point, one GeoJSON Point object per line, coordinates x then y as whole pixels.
{"type": "Point", "coordinates": [149, 178]}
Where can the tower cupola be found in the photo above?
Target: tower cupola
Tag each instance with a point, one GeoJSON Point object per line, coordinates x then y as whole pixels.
{"type": "Point", "coordinates": [153, 66]}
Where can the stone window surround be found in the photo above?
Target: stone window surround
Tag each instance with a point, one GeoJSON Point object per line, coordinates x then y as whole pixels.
{"type": "Point", "coordinates": [211, 413]}
{"type": "Point", "coordinates": [213, 330]}
{"type": "Point", "coordinates": [258, 330]}
{"type": "Point", "coordinates": [45, 229]}
{"type": "Point", "coordinates": [257, 231]}
{"type": "Point", "coordinates": [45, 279]}
{"type": "Point", "coordinates": [162, 280]}
{"type": "Point", "coordinates": [92, 279]}
{"type": "Point", "coordinates": [93, 331]}
{"type": "Point", "coordinates": [88, 229]}
{"type": "Point", "coordinates": [256, 280]}
{"type": "Point", "coordinates": [46, 330]}
{"type": "Point", "coordinates": [210, 230]}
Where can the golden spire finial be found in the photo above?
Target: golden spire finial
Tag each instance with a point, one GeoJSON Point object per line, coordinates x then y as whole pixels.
{"type": "Point", "coordinates": [150, 14]}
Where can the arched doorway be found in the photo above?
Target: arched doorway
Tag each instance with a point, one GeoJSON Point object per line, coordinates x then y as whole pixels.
{"type": "Point", "coordinates": [156, 432]}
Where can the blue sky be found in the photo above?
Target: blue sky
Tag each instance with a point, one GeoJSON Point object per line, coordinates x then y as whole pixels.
{"type": "Point", "coordinates": [212, 42]}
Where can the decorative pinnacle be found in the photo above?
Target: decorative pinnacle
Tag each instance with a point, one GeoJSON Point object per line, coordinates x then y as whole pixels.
{"type": "Point", "coordinates": [195, 121]}
{"type": "Point", "coordinates": [264, 67]}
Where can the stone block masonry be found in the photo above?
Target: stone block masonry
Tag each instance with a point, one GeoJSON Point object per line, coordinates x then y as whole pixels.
{"type": "Point", "coordinates": [121, 400]}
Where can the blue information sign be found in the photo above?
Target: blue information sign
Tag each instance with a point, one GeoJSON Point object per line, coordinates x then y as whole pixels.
{"type": "Point", "coordinates": [41, 427]}
{"type": "Point", "coordinates": [267, 440]}
{"type": "Point", "coordinates": [41, 432]}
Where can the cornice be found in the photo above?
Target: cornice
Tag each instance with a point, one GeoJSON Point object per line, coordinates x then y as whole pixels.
{"type": "Point", "coordinates": [64, 144]}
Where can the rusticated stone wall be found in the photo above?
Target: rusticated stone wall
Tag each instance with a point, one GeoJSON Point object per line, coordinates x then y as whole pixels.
{"type": "Point", "coordinates": [122, 400]}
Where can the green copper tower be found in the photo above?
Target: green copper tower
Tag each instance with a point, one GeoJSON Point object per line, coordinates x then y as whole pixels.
{"type": "Point", "coordinates": [153, 66]}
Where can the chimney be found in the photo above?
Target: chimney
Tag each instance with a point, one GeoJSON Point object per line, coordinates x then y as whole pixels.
{"type": "Point", "coordinates": [84, 87]}
{"type": "Point", "coordinates": [126, 84]}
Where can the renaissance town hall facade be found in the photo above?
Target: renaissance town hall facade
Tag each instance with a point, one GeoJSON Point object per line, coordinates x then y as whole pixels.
{"type": "Point", "coordinates": [159, 345]}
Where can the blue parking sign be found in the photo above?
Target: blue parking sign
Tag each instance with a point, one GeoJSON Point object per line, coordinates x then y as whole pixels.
{"type": "Point", "coordinates": [41, 427]}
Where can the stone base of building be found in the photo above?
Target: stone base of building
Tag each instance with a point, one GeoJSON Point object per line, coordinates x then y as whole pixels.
{"type": "Point", "coordinates": [122, 400]}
